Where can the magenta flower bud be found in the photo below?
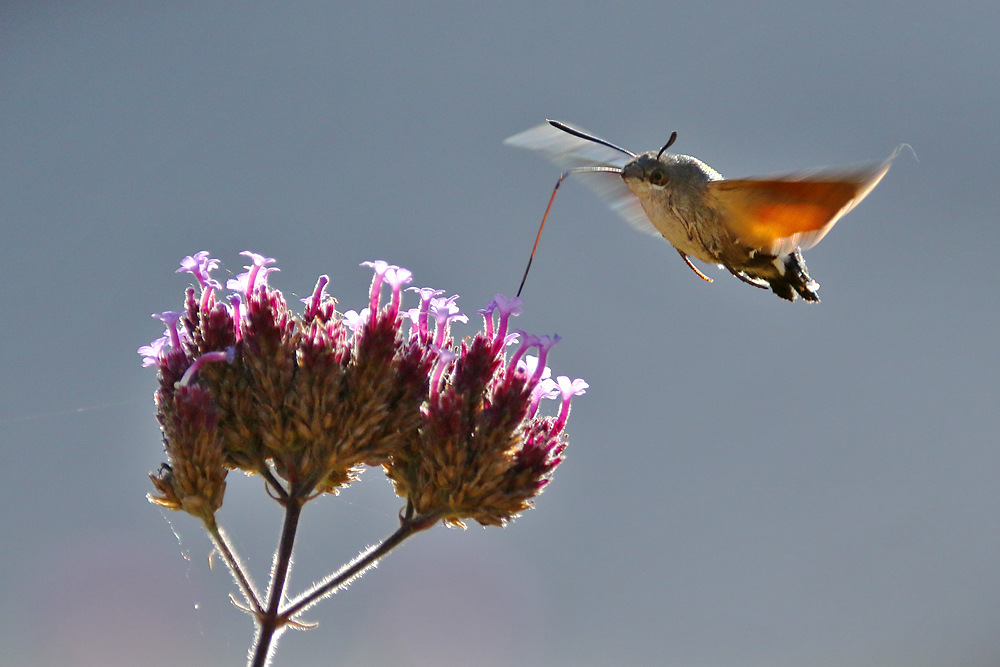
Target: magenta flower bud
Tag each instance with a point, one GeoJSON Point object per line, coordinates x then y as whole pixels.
{"type": "Point", "coordinates": [317, 299]}
{"type": "Point", "coordinates": [236, 302]}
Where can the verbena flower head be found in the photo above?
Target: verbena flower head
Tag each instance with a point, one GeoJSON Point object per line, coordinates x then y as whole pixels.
{"type": "Point", "coordinates": [311, 398]}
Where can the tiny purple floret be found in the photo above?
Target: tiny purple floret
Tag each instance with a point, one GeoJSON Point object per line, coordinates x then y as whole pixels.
{"type": "Point", "coordinates": [528, 341]}
{"type": "Point", "coordinates": [238, 283]}
{"type": "Point", "coordinates": [568, 389]}
{"type": "Point", "coordinates": [380, 267]}
{"type": "Point", "coordinates": [200, 265]}
{"type": "Point", "coordinates": [545, 344]}
{"type": "Point", "coordinates": [171, 318]}
{"type": "Point", "coordinates": [151, 353]}
{"type": "Point", "coordinates": [444, 358]}
{"type": "Point", "coordinates": [397, 276]}
{"type": "Point", "coordinates": [419, 315]}
{"type": "Point", "coordinates": [444, 311]}
{"type": "Point", "coordinates": [505, 307]}
{"type": "Point", "coordinates": [547, 388]}
{"type": "Point", "coordinates": [259, 262]}
{"type": "Point", "coordinates": [355, 320]}
{"type": "Point", "coordinates": [529, 363]}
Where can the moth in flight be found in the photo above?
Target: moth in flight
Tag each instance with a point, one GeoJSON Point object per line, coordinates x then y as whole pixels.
{"type": "Point", "coordinates": [755, 227]}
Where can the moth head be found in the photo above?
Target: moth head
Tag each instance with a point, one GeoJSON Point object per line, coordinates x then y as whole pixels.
{"type": "Point", "coordinates": [652, 172]}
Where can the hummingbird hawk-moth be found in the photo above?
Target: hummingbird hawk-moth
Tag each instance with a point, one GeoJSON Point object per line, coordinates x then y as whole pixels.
{"type": "Point", "coordinates": [755, 227]}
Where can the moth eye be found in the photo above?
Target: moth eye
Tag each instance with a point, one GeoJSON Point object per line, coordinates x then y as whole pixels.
{"type": "Point", "coordinates": [658, 177]}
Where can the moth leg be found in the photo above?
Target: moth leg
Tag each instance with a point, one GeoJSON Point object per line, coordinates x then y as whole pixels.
{"type": "Point", "coordinates": [693, 267]}
{"type": "Point", "coordinates": [756, 282]}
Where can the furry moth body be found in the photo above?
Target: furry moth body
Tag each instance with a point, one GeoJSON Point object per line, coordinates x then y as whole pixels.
{"type": "Point", "coordinates": [754, 227]}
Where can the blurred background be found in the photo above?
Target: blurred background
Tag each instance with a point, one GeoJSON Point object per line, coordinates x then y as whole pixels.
{"type": "Point", "coordinates": [749, 482]}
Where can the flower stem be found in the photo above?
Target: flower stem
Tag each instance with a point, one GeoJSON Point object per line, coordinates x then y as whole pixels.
{"type": "Point", "coordinates": [270, 621]}
{"type": "Point", "coordinates": [233, 562]}
{"type": "Point", "coordinates": [408, 527]}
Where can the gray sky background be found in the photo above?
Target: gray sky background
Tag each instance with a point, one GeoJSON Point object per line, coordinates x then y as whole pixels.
{"type": "Point", "coordinates": [749, 482]}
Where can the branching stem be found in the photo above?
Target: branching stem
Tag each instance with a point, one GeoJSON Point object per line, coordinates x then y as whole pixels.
{"type": "Point", "coordinates": [268, 476]}
{"type": "Point", "coordinates": [235, 568]}
{"type": "Point", "coordinates": [407, 528]}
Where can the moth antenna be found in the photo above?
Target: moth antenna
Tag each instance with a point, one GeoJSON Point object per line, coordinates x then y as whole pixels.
{"type": "Point", "coordinates": [670, 142]}
{"type": "Point", "coordinates": [589, 137]}
{"type": "Point", "coordinates": [538, 236]}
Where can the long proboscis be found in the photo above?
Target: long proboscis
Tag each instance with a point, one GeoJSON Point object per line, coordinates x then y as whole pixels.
{"type": "Point", "coordinates": [552, 198]}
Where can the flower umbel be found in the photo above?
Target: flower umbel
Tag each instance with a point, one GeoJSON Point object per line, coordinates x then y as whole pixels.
{"type": "Point", "coordinates": [480, 455]}
{"type": "Point", "coordinates": [306, 400]}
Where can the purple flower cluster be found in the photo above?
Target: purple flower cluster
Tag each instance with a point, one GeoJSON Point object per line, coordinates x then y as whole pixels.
{"type": "Point", "coordinates": [306, 400]}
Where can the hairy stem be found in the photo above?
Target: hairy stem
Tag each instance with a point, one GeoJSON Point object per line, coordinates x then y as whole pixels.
{"type": "Point", "coordinates": [408, 527]}
{"type": "Point", "coordinates": [270, 621]}
{"type": "Point", "coordinates": [235, 568]}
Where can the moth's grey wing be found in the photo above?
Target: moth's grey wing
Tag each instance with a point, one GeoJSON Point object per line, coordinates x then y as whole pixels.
{"type": "Point", "coordinates": [569, 152]}
{"type": "Point", "coordinates": [612, 189]}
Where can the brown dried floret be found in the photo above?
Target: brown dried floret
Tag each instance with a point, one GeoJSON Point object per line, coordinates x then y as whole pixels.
{"type": "Point", "coordinates": [194, 478]}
